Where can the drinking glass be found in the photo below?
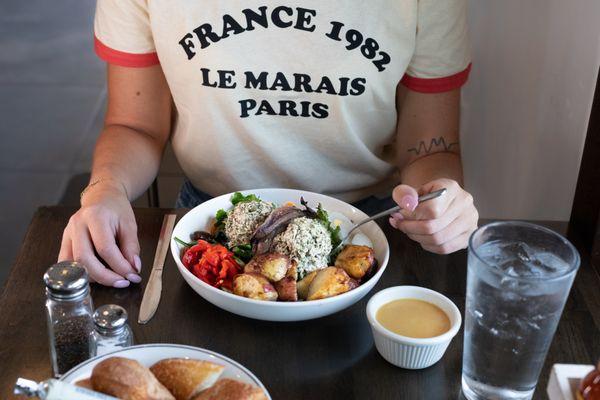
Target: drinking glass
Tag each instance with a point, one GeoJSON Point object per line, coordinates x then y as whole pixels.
{"type": "Point", "coordinates": [518, 280]}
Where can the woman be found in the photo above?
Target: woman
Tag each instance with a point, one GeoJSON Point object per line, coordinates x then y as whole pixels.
{"type": "Point", "coordinates": [340, 97]}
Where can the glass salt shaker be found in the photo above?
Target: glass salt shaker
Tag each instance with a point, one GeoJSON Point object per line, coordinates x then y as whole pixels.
{"type": "Point", "coordinates": [111, 331]}
{"type": "Point", "coordinates": [69, 314]}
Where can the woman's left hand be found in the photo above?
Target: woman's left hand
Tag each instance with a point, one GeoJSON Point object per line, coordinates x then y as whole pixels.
{"type": "Point", "coordinates": [442, 225]}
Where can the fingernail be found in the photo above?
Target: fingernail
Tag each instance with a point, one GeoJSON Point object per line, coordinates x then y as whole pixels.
{"type": "Point", "coordinates": [121, 283]}
{"type": "Point", "coordinates": [397, 216]}
{"type": "Point", "coordinates": [137, 263]}
{"type": "Point", "coordinates": [135, 278]}
{"type": "Point", "coordinates": [393, 223]}
{"type": "Point", "coordinates": [409, 202]}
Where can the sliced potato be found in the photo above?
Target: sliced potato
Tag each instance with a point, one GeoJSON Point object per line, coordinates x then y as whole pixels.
{"type": "Point", "coordinates": [286, 287]}
{"type": "Point", "coordinates": [292, 271]}
{"type": "Point", "coordinates": [272, 266]}
{"type": "Point", "coordinates": [330, 282]}
{"type": "Point", "coordinates": [304, 283]}
{"type": "Point", "coordinates": [254, 286]}
{"type": "Point", "coordinates": [356, 260]}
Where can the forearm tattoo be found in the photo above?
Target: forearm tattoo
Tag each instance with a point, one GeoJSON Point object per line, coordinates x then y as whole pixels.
{"type": "Point", "coordinates": [434, 145]}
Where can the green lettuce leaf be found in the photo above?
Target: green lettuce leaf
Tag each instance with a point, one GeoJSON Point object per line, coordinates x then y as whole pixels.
{"type": "Point", "coordinates": [243, 252]}
{"type": "Point", "coordinates": [220, 218]}
{"type": "Point", "coordinates": [334, 232]}
{"type": "Point", "coordinates": [240, 198]}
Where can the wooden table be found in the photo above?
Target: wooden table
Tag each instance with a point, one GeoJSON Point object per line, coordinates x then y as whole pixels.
{"type": "Point", "coordinates": [329, 358]}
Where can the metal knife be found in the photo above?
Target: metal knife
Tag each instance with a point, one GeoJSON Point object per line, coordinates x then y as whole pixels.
{"type": "Point", "coordinates": [154, 286]}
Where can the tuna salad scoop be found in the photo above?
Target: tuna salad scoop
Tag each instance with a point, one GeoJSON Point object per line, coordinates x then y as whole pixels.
{"type": "Point", "coordinates": [243, 220]}
{"type": "Point", "coordinates": [277, 222]}
{"type": "Point", "coordinates": [306, 241]}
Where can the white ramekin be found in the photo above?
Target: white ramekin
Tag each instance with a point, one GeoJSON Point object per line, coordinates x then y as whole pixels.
{"type": "Point", "coordinates": [407, 352]}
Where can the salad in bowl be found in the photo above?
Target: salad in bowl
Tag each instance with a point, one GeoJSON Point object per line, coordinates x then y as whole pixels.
{"type": "Point", "coordinates": [261, 252]}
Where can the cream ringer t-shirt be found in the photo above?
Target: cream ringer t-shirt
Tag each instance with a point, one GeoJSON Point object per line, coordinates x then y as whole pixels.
{"type": "Point", "coordinates": [297, 94]}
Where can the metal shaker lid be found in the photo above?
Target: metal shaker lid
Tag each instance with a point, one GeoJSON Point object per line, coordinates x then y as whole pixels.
{"type": "Point", "coordinates": [66, 280]}
{"type": "Point", "coordinates": [110, 318]}
{"type": "Point", "coordinates": [27, 388]}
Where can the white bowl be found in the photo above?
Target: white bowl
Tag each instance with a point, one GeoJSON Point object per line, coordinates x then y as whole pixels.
{"type": "Point", "coordinates": [202, 217]}
{"type": "Point", "coordinates": [148, 354]}
{"type": "Point", "coordinates": [407, 352]}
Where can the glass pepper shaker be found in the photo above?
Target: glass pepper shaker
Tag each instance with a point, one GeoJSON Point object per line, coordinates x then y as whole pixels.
{"type": "Point", "coordinates": [111, 331]}
{"type": "Point", "coordinates": [69, 313]}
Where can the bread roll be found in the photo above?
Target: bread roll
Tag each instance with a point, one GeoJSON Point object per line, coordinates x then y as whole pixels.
{"type": "Point", "coordinates": [229, 389]}
{"type": "Point", "coordinates": [186, 378]}
{"type": "Point", "coordinates": [85, 383]}
{"type": "Point", "coordinates": [128, 380]}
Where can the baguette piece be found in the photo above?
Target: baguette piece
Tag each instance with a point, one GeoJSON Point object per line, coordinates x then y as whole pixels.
{"type": "Point", "coordinates": [230, 389]}
{"type": "Point", "coordinates": [85, 383]}
{"type": "Point", "coordinates": [128, 380]}
{"type": "Point", "coordinates": [185, 378]}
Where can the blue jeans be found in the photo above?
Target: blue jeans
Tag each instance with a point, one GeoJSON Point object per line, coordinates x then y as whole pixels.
{"type": "Point", "coordinates": [190, 197]}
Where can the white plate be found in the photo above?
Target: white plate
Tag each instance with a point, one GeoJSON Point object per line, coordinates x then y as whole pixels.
{"type": "Point", "coordinates": [148, 354]}
{"type": "Point", "coordinates": [202, 217]}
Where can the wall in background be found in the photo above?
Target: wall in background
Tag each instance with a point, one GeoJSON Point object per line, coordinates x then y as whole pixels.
{"type": "Point", "coordinates": [526, 107]}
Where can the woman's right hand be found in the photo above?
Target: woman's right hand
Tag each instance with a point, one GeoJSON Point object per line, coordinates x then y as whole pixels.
{"type": "Point", "coordinates": [104, 226]}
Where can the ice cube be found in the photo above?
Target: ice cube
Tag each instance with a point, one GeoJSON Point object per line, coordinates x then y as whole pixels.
{"type": "Point", "coordinates": [509, 285]}
{"type": "Point", "coordinates": [517, 259]}
{"type": "Point", "coordinates": [520, 268]}
{"type": "Point", "coordinates": [509, 268]}
{"type": "Point", "coordinates": [517, 250]}
{"type": "Point", "coordinates": [549, 264]}
{"type": "Point", "coordinates": [516, 268]}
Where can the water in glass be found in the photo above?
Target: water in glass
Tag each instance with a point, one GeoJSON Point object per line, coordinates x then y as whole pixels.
{"type": "Point", "coordinates": [515, 295]}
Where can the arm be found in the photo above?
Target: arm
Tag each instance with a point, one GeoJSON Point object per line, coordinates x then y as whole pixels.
{"type": "Point", "coordinates": [427, 136]}
{"type": "Point", "coordinates": [136, 128]}
{"type": "Point", "coordinates": [429, 158]}
{"type": "Point", "coordinates": [126, 160]}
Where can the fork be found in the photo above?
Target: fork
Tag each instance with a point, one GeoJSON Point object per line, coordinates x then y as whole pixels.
{"type": "Point", "coordinates": [429, 196]}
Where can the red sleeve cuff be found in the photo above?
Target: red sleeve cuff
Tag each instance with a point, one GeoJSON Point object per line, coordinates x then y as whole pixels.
{"type": "Point", "coordinates": [123, 59]}
{"type": "Point", "coordinates": [436, 85]}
